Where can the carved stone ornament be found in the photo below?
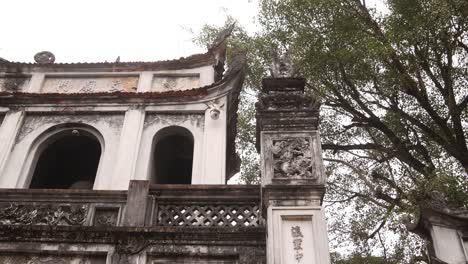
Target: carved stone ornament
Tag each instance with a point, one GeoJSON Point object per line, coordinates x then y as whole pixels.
{"type": "Point", "coordinates": [42, 214]}
{"type": "Point", "coordinates": [292, 158]}
{"type": "Point", "coordinates": [281, 65]}
{"type": "Point", "coordinates": [287, 101]}
{"type": "Point", "coordinates": [132, 245]}
{"type": "Point", "coordinates": [106, 216]}
{"type": "Point", "coordinates": [215, 110]}
{"type": "Point", "coordinates": [44, 57]}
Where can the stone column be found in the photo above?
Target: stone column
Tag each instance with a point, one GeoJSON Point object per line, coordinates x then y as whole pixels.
{"type": "Point", "coordinates": [293, 179]}
{"type": "Point", "coordinates": [129, 146]}
{"type": "Point", "coordinates": [214, 146]}
{"type": "Point", "coordinates": [8, 131]}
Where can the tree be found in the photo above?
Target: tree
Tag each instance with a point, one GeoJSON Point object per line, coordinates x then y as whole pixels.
{"type": "Point", "coordinates": [396, 81]}
{"type": "Point", "coordinates": [394, 89]}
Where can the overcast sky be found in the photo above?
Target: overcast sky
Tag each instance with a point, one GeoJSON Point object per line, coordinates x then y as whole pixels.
{"type": "Point", "coordinates": [92, 30]}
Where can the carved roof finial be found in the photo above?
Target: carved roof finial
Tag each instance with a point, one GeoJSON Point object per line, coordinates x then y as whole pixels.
{"type": "Point", "coordinates": [222, 36]}
{"type": "Point", "coordinates": [44, 57]}
{"type": "Point", "coordinates": [281, 65]}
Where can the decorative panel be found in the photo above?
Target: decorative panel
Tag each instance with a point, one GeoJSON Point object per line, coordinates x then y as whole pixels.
{"type": "Point", "coordinates": [297, 235]}
{"type": "Point", "coordinates": [192, 260]}
{"type": "Point", "coordinates": [298, 242]}
{"type": "Point", "coordinates": [106, 216]}
{"type": "Point", "coordinates": [14, 84]}
{"type": "Point", "coordinates": [43, 214]}
{"type": "Point", "coordinates": [292, 158]}
{"type": "Point", "coordinates": [90, 84]}
{"type": "Point", "coordinates": [174, 83]}
{"type": "Point", "coordinates": [22, 258]}
{"type": "Point", "coordinates": [208, 215]}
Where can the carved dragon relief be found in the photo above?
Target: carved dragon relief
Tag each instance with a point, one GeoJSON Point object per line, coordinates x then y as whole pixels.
{"type": "Point", "coordinates": [42, 214]}
{"type": "Point", "coordinates": [292, 158]}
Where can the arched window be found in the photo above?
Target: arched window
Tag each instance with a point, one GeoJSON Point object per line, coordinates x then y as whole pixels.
{"type": "Point", "coordinates": [173, 156]}
{"type": "Point", "coordinates": [69, 160]}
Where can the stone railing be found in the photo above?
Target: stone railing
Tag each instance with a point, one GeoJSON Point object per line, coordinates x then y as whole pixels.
{"type": "Point", "coordinates": [62, 207]}
{"type": "Point", "coordinates": [146, 224]}
{"type": "Point", "coordinates": [205, 205]}
{"type": "Point", "coordinates": [143, 205]}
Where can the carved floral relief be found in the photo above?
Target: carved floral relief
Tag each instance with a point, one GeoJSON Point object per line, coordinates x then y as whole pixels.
{"type": "Point", "coordinates": [42, 214]}
{"type": "Point", "coordinates": [292, 158]}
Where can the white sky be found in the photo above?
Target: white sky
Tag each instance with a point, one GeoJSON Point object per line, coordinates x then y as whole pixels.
{"type": "Point", "coordinates": [101, 30]}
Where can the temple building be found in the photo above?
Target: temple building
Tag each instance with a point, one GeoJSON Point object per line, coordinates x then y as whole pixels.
{"type": "Point", "coordinates": [127, 162]}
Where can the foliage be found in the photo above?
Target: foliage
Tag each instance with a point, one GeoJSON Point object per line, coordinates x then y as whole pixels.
{"type": "Point", "coordinates": [393, 121]}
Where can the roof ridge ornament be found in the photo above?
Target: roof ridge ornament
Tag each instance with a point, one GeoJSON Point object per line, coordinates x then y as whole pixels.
{"type": "Point", "coordinates": [44, 57]}
{"type": "Point", "coordinates": [222, 36]}
{"type": "Point", "coordinates": [218, 49]}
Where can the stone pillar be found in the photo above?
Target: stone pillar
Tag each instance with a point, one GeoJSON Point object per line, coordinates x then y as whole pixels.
{"type": "Point", "coordinates": [128, 148]}
{"type": "Point", "coordinates": [214, 146]}
{"type": "Point", "coordinates": [293, 179]}
{"type": "Point", "coordinates": [8, 131]}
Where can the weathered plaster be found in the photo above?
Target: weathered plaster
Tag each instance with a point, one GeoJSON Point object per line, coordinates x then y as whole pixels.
{"type": "Point", "coordinates": [14, 83]}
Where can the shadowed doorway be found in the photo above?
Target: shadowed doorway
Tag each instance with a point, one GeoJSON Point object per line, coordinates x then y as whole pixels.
{"type": "Point", "coordinates": [70, 161]}
{"type": "Point", "coordinates": [173, 156]}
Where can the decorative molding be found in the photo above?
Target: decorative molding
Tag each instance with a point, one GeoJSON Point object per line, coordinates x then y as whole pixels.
{"type": "Point", "coordinates": [196, 120]}
{"type": "Point", "coordinates": [287, 101]}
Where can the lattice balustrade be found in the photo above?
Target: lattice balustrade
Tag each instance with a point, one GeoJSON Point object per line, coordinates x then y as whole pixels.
{"type": "Point", "coordinates": [208, 215]}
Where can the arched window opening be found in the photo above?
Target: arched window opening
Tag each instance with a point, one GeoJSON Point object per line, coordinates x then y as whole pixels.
{"type": "Point", "coordinates": [173, 156]}
{"type": "Point", "coordinates": [69, 161]}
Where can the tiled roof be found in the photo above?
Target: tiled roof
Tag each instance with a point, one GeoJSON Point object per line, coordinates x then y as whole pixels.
{"type": "Point", "coordinates": [183, 62]}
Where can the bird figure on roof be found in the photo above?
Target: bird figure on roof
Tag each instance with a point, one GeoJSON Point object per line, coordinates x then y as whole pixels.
{"type": "Point", "coordinates": [118, 59]}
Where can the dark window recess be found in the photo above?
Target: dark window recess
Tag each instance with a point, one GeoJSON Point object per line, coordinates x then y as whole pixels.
{"type": "Point", "coordinates": [69, 162]}
{"type": "Point", "coordinates": [173, 158]}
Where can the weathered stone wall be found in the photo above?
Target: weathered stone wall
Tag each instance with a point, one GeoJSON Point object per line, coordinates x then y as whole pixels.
{"type": "Point", "coordinates": [94, 227]}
